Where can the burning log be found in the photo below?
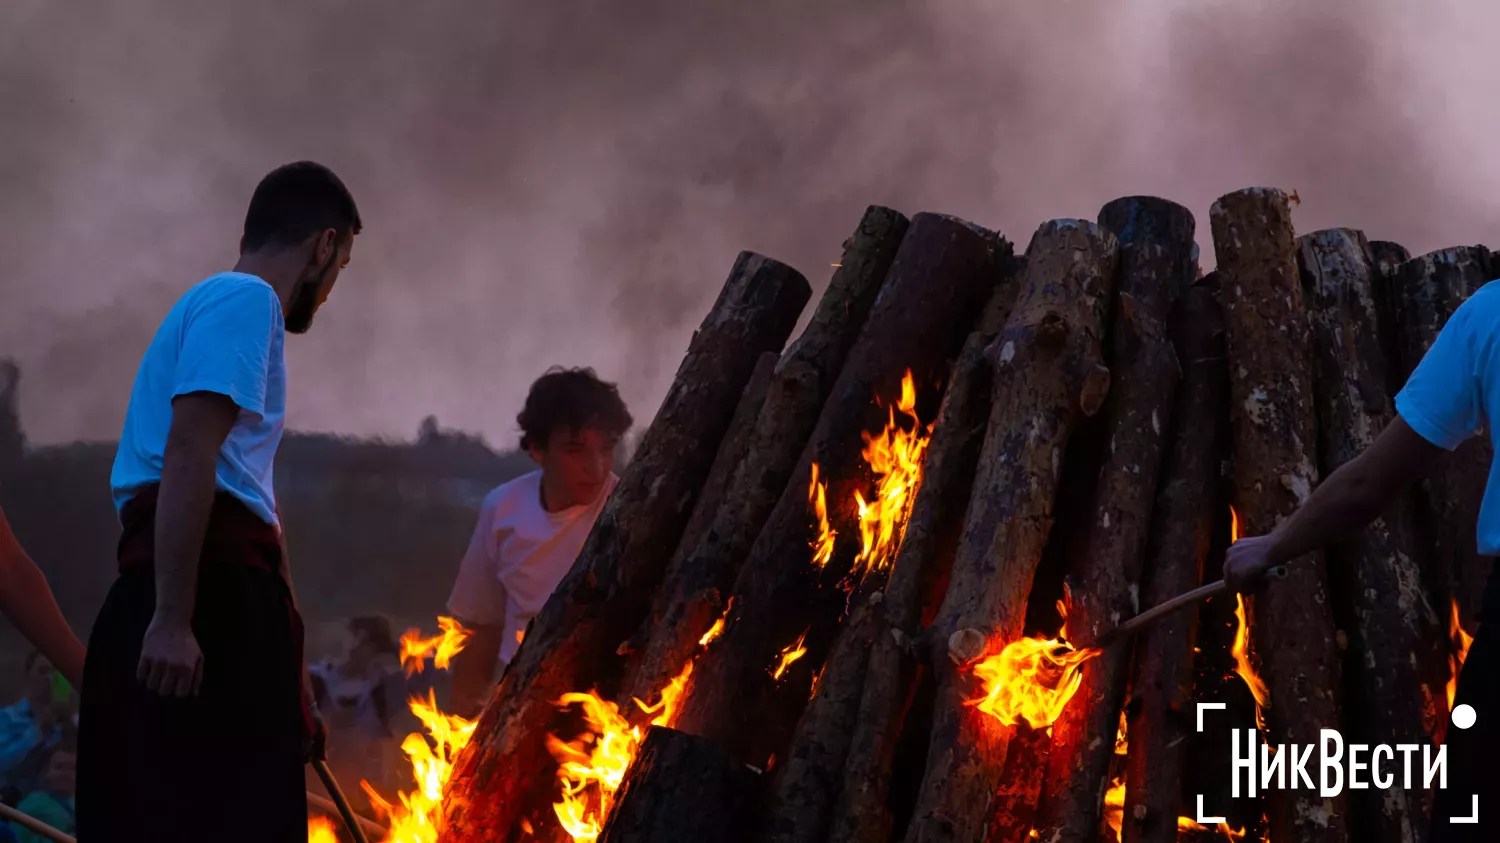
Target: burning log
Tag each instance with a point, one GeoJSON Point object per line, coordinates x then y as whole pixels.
{"type": "Point", "coordinates": [682, 787]}
{"type": "Point", "coordinates": [1048, 375]}
{"type": "Point", "coordinates": [1430, 288]}
{"type": "Point", "coordinates": [1396, 638]}
{"type": "Point", "coordinates": [1156, 261]}
{"type": "Point", "coordinates": [1273, 430]}
{"type": "Point", "coordinates": [847, 753]}
{"type": "Point", "coordinates": [785, 591]}
{"type": "Point", "coordinates": [693, 595]}
{"type": "Point", "coordinates": [608, 591]}
{"type": "Point", "coordinates": [1187, 502]}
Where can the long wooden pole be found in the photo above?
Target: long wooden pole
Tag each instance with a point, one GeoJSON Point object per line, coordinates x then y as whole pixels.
{"type": "Point", "coordinates": [351, 819]}
{"type": "Point", "coordinates": [35, 825]}
{"type": "Point", "coordinates": [326, 805]}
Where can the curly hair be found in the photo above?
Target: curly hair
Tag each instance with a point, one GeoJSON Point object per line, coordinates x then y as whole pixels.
{"type": "Point", "coordinates": [571, 399]}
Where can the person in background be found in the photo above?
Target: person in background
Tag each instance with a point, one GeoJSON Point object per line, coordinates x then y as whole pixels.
{"type": "Point", "coordinates": [32, 727]}
{"type": "Point", "coordinates": [52, 802]}
{"type": "Point", "coordinates": [27, 601]}
{"type": "Point", "coordinates": [197, 715]}
{"type": "Point", "coordinates": [531, 528]}
{"type": "Point", "coordinates": [361, 695]}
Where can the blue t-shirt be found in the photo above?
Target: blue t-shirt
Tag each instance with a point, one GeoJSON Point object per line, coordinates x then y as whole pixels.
{"type": "Point", "coordinates": [1454, 392]}
{"type": "Point", "coordinates": [225, 335]}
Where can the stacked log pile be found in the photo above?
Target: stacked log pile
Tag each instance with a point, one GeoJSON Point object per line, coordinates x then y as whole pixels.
{"type": "Point", "coordinates": [789, 678]}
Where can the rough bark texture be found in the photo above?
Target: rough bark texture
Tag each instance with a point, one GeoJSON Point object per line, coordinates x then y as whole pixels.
{"type": "Point", "coordinates": [1161, 712]}
{"type": "Point", "coordinates": [1156, 247]}
{"type": "Point", "coordinates": [1430, 288]}
{"type": "Point", "coordinates": [808, 781]}
{"type": "Point", "coordinates": [693, 596]}
{"type": "Point", "coordinates": [1387, 258]}
{"type": "Point", "coordinates": [607, 593]}
{"type": "Point", "coordinates": [861, 812]}
{"type": "Point", "coordinates": [1274, 433]}
{"type": "Point", "coordinates": [1395, 639]}
{"type": "Point", "coordinates": [682, 788]}
{"type": "Point", "coordinates": [941, 278]}
{"type": "Point", "coordinates": [1014, 805]}
{"type": "Point", "coordinates": [1048, 374]}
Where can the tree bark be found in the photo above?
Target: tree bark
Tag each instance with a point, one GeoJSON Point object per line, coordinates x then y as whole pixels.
{"type": "Point", "coordinates": [1431, 288]}
{"type": "Point", "coordinates": [1274, 433]}
{"type": "Point", "coordinates": [1160, 716]}
{"type": "Point", "coordinates": [680, 788]}
{"type": "Point", "coordinates": [692, 599]}
{"type": "Point", "coordinates": [1156, 245]}
{"type": "Point", "coordinates": [1388, 258]}
{"type": "Point", "coordinates": [855, 804]}
{"type": "Point", "coordinates": [942, 276]}
{"type": "Point", "coordinates": [607, 593]}
{"type": "Point", "coordinates": [1012, 812]}
{"type": "Point", "coordinates": [1048, 375]}
{"type": "Point", "coordinates": [1395, 640]}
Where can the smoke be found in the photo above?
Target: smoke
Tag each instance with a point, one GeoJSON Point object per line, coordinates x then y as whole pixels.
{"type": "Point", "coordinates": [568, 182]}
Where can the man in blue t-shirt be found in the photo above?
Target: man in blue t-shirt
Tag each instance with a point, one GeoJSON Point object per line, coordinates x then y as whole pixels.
{"type": "Point", "coordinates": [195, 720]}
{"type": "Point", "coordinates": [1454, 393]}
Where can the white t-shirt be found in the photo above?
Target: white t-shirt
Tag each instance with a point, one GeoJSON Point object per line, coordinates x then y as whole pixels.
{"type": "Point", "coordinates": [518, 555]}
{"type": "Point", "coordinates": [224, 335]}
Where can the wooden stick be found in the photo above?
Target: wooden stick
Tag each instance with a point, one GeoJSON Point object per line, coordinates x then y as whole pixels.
{"type": "Point", "coordinates": [35, 825]}
{"type": "Point", "coordinates": [351, 819]}
{"type": "Point", "coordinates": [1156, 613]}
{"type": "Point", "coordinates": [324, 804]}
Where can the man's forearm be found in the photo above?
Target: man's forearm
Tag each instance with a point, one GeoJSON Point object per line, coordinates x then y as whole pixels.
{"type": "Point", "coordinates": [1347, 501]}
{"type": "Point", "coordinates": [184, 503]}
{"type": "Point", "coordinates": [27, 600]}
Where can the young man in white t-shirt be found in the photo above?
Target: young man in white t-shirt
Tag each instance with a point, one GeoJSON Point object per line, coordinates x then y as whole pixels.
{"type": "Point", "coordinates": [194, 721]}
{"type": "Point", "coordinates": [531, 529]}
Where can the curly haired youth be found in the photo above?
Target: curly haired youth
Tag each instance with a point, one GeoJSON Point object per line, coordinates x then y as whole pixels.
{"type": "Point", "coordinates": [571, 399]}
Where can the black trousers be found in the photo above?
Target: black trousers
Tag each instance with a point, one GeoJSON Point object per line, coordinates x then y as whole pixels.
{"type": "Point", "coordinates": [225, 765]}
{"type": "Point", "coordinates": [1474, 753]}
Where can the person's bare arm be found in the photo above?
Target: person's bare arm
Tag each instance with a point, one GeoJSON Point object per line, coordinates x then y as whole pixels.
{"type": "Point", "coordinates": [27, 600]}
{"type": "Point", "coordinates": [1350, 498]}
{"type": "Point", "coordinates": [474, 667]}
{"type": "Point", "coordinates": [171, 663]}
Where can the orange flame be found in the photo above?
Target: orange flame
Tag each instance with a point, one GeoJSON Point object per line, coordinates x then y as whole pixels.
{"type": "Point", "coordinates": [1114, 798]}
{"type": "Point", "coordinates": [1032, 678]}
{"type": "Point", "coordinates": [442, 647]}
{"type": "Point", "coordinates": [790, 655]}
{"type": "Point", "coordinates": [718, 628]}
{"type": "Point", "coordinates": [895, 458]}
{"type": "Point", "coordinates": [1459, 651]}
{"type": "Point", "coordinates": [320, 830]}
{"type": "Point", "coordinates": [817, 497]}
{"type": "Point", "coordinates": [1241, 649]}
{"type": "Point", "coordinates": [1187, 824]}
{"type": "Point", "coordinates": [414, 817]}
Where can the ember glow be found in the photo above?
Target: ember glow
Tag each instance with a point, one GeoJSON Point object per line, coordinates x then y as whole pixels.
{"type": "Point", "coordinates": [790, 655]}
{"type": "Point", "coordinates": [817, 498]}
{"type": "Point", "coordinates": [1457, 651]}
{"type": "Point", "coordinates": [718, 628]}
{"type": "Point", "coordinates": [1114, 798]}
{"type": "Point", "coordinates": [1241, 649]}
{"type": "Point", "coordinates": [895, 458]}
{"type": "Point", "coordinates": [320, 830]}
{"type": "Point", "coordinates": [1032, 679]}
{"type": "Point", "coordinates": [414, 817]}
{"type": "Point", "coordinates": [441, 648]}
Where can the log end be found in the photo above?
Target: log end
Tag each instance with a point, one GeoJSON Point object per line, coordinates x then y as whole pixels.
{"type": "Point", "coordinates": [966, 646]}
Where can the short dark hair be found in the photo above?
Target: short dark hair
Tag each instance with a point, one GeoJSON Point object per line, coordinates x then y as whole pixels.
{"type": "Point", "coordinates": [295, 201]}
{"type": "Point", "coordinates": [573, 399]}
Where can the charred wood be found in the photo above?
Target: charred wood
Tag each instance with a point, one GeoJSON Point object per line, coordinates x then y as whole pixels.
{"type": "Point", "coordinates": [681, 788]}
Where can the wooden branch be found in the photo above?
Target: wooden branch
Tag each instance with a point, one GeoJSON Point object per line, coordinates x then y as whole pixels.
{"type": "Point", "coordinates": [941, 277]}
{"type": "Point", "coordinates": [326, 805]}
{"type": "Point", "coordinates": [1274, 432]}
{"type": "Point", "coordinates": [1396, 643]}
{"type": "Point", "coordinates": [919, 578]}
{"type": "Point", "coordinates": [607, 593]}
{"type": "Point", "coordinates": [34, 825]}
{"type": "Point", "coordinates": [1156, 261]}
{"type": "Point", "coordinates": [682, 788]}
{"type": "Point", "coordinates": [692, 597]}
{"type": "Point", "coordinates": [1048, 375]}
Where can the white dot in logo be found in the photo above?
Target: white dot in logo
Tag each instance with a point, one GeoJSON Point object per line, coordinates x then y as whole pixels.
{"type": "Point", "coordinates": [1464, 716]}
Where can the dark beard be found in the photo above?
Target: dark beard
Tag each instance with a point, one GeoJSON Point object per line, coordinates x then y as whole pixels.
{"type": "Point", "coordinates": [304, 304]}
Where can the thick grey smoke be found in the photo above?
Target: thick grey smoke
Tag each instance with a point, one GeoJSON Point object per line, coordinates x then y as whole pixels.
{"type": "Point", "coordinates": [568, 181]}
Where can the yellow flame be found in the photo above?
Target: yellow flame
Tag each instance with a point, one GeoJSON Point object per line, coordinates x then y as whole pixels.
{"type": "Point", "coordinates": [1187, 824]}
{"type": "Point", "coordinates": [1460, 641]}
{"type": "Point", "coordinates": [415, 815]}
{"type": "Point", "coordinates": [1114, 798]}
{"type": "Point", "coordinates": [320, 830]}
{"type": "Point", "coordinates": [790, 655]}
{"type": "Point", "coordinates": [895, 458]}
{"type": "Point", "coordinates": [441, 647]}
{"type": "Point", "coordinates": [817, 497]}
{"type": "Point", "coordinates": [718, 628]}
{"type": "Point", "coordinates": [1032, 679]}
{"type": "Point", "coordinates": [1241, 648]}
